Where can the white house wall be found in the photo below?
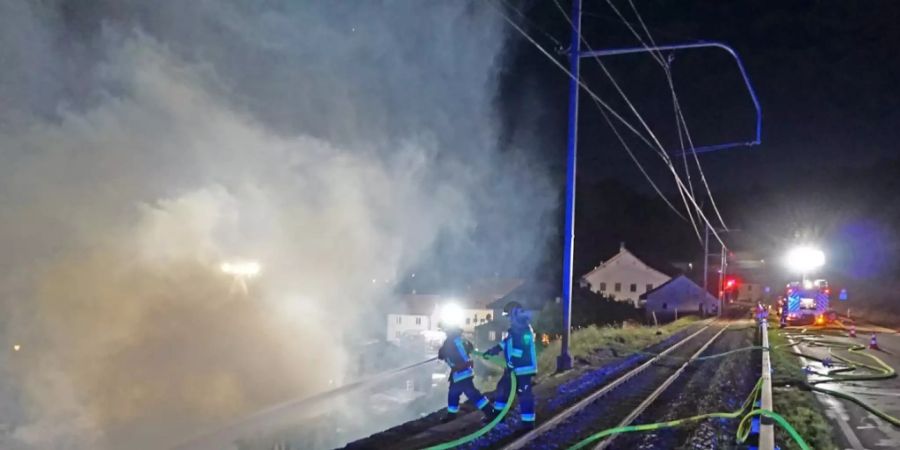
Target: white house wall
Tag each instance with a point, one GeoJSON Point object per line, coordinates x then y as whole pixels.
{"type": "Point", "coordinates": [627, 271]}
{"type": "Point", "coordinates": [399, 325]}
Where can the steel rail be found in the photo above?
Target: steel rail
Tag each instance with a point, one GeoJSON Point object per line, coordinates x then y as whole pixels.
{"type": "Point", "coordinates": [523, 441]}
{"type": "Point", "coordinates": [655, 394]}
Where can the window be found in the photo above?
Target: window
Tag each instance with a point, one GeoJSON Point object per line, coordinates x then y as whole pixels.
{"type": "Point", "coordinates": [618, 287]}
{"type": "Point", "coordinates": [749, 287]}
{"type": "Point", "coordinates": [488, 317]}
{"type": "Point", "coordinates": [665, 306]}
{"type": "Point", "coordinates": [603, 287]}
{"type": "Point", "coordinates": [475, 317]}
{"type": "Point", "coordinates": [468, 320]}
{"type": "Point", "coordinates": [418, 321]}
{"type": "Point", "coordinates": [492, 335]}
{"type": "Point", "coordinates": [399, 319]}
{"type": "Point", "coordinates": [649, 287]}
{"type": "Point", "coordinates": [633, 287]}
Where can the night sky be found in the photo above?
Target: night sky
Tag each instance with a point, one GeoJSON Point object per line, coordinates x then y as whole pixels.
{"type": "Point", "coordinates": [824, 72]}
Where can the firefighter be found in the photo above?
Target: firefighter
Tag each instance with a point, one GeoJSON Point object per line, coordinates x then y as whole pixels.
{"type": "Point", "coordinates": [521, 360]}
{"type": "Point", "coordinates": [456, 352]}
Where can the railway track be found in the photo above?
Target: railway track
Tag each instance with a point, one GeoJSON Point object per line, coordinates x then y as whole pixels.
{"type": "Point", "coordinates": [619, 402]}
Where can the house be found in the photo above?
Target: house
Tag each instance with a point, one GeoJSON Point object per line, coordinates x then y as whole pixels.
{"type": "Point", "coordinates": [679, 296]}
{"type": "Point", "coordinates": [531, 295]}
{"type": "Point", "coordinates": [750, 292]}
{"type": "Point", "coordinates": [412, 315]}
{"type": "Point", "coordinates": [624, 277]}
{"type": "Point", "coordinates": [415, 315]}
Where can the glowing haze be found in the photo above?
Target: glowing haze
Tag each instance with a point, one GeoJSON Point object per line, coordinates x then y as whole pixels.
{"type": "Point", "coordinates": [143, 143]}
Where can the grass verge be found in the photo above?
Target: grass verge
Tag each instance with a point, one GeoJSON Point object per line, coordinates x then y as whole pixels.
{"type": "Point", "coordinates": [587, 341]}
{"type": "Point", "coordinates": [800, 408]}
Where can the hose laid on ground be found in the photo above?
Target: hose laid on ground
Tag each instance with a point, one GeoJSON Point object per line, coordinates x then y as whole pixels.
{"type": "Point", "coordinates": [485, 429]}
{"type": "Point", "coordinates": [886, 372]}
{"type": "Point", "coordinates": [742, 434]}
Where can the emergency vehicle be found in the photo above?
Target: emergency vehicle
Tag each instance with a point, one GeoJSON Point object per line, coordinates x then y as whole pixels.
{"type": "Point", "coordinates": [808, 303]}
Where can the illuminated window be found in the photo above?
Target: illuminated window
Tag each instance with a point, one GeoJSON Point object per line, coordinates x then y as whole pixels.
{"type": "Point", "coordinates": [602, 287]}
{"type": "Point", "coordinates": [618, 287]}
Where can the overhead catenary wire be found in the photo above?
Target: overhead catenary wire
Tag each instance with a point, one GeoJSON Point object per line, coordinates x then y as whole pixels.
{"type": "Point", "coordinates": [604, 108]}
{"type": "Point", "coordinates": [658, 147]}
{"type": "Point", "coordinates": [680, 120]}
{"type": "Point", "coordinates": [681, 123]}
{"type": "Point", "coordinates": [593, 95]}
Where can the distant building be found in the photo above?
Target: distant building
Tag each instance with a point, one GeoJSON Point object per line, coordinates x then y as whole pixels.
{"type": "Point", "coordinates": [416, 314]}
{"type": "Point", "coordinates": [750, 292]}
{"type": "Point", "coordinates": [679, 294]}
{"type": "Point", "coordinates": [624, 277]}
{"type": "Point", "coordinates": [412, 315]}
{"type": "Point", "coordinates": [531, 295]}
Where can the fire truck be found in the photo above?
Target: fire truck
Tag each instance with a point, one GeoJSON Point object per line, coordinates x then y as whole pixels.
{"type": "Point", "coordinates": [808, 303]}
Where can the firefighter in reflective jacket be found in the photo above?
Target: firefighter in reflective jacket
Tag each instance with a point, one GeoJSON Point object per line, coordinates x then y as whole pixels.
{"type": "Point", "coordinates": [521, 358]}
{"type": "Point", "coordinates": [456, 351]}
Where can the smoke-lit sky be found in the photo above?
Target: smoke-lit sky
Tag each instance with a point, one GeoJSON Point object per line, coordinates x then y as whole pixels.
{"type": "Point", "coordinates": [143, 143]}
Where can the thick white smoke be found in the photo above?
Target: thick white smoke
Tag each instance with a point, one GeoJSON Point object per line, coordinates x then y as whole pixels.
{"type": "Point", "coordinates": [142, 143]}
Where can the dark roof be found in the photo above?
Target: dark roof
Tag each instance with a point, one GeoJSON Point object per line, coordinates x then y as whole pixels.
{"type": "Point", "coordinates": [531, 294]}
{"type": "Point", "coordinates": [662, 286]}
{"type": "Point", "coordinates": [484, 292]}
{"type": "Point", "coordinates": [645, 294]}
{"type": "Point", "coordinates": [417, 305]}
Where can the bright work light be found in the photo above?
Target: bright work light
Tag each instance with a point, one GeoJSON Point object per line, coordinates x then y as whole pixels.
{"type": "Point", "coordinates": [451, 315]}
{"type": "Point", "coordinates": [241, 268]}
{"type": "Point", "coordinates": [805, 259]}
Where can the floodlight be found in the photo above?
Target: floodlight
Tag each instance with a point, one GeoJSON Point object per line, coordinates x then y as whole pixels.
{"type": "Point", "coordinates": [804, 259]}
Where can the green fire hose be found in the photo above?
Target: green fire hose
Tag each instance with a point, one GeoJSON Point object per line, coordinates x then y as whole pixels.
{"type": "Point", "coordinates": [882, 369]}
{"type": "Point", "coordinates": [488, 427]}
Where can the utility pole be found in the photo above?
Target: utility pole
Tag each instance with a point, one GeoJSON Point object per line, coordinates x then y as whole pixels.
{"type": "Point", "coordinates": [706, 258]}
{"type": "Point", "coordinates": [724, 267]}
{"type": "Point", "coordinates": [564, 360]}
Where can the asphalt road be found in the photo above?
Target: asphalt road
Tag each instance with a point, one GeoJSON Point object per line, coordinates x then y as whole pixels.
{"type": "Point", "coordinates": [857, 428]}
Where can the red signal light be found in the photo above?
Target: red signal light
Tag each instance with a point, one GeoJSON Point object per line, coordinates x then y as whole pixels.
{"type": "Point", "coordinates": [730, 283]}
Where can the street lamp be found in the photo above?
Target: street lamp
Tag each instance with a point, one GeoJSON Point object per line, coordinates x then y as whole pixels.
{"type": "Point", "coordinates": [804, 259]}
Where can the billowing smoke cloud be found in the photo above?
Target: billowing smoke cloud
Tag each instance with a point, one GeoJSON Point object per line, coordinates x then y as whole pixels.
{"type": "Point", "coordinates": [143, 143]}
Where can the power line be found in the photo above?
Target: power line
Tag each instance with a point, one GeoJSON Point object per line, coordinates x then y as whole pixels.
{"type": "Point", "coordinates": [600, 106]}
{"type": "Point", "coordinates": [597, 99]}
{"type": "Point", "coordinates": [680, 120]}
{"type": "Point", "coordinates": [659, 148]}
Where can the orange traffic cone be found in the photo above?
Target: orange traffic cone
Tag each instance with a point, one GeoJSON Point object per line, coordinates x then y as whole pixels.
{"type": "Point", "coordinates": [873, 343]}
{"type": "Point", "coordinates": [852, 330]}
